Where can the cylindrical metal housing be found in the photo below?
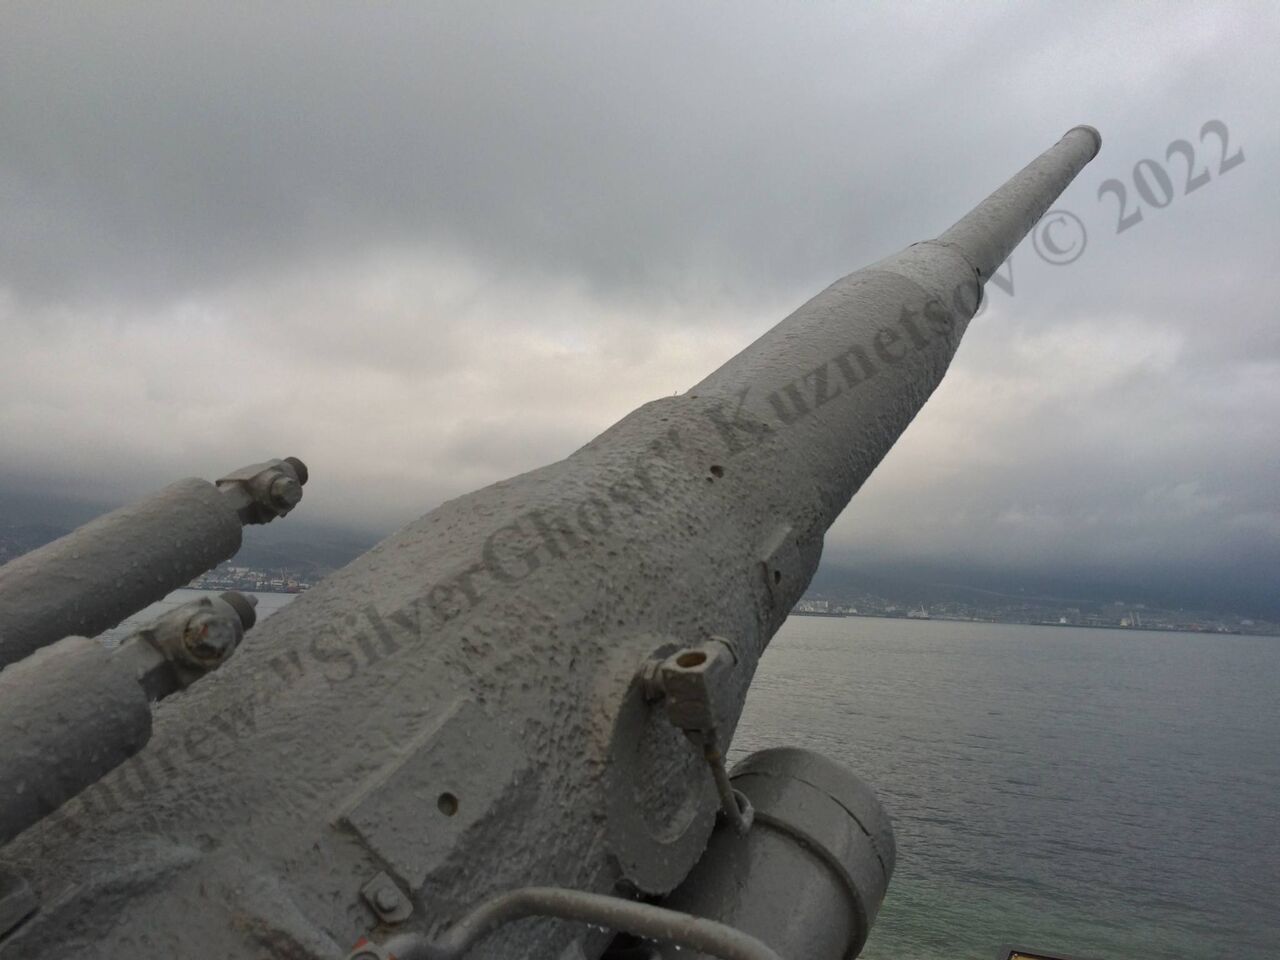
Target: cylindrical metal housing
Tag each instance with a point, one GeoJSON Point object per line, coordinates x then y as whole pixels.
{"type": "Point", "coordinates": [809, 877]}
{"type": "Point", "coordinates": [68, 714]}
{"type": "Point", "coordinates": [94, 577]}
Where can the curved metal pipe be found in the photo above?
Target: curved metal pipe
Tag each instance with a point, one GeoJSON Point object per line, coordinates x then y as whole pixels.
{"type": "Point", "coordinates": [625, 916]}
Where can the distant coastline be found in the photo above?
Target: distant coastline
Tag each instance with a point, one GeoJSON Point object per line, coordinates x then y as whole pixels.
{"type": "Point", "coordinates": [245, 588]}
{"type": "Point", "coordinates": [253, 580]}
{"type": "Point", "coordinates": [1216, 630]}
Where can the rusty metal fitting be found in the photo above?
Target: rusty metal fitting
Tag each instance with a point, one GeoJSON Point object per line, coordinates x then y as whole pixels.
{"type": "Point", "coordinates": [181, 646]}
{"type": "Point", "coordinates": [208, 638]}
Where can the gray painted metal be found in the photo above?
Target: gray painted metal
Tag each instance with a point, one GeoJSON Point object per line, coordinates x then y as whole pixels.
{"type": "Point", "coordinates": [988, 233]}
{"type": "Point", "coordinates": [687, 683]}
{"type": "Point", "coordinates": [809, 878]}
{"type": "Point", "coordinates": [68, 714]}
{"type": "Point", "coordinates": [94, 577]}
{"type": "Point", "coordinates": [613, 913]}
{"type": "Point", "coordinates": [189, 641]}
{"type": "Point", "coordinates": [74, 709]}
{"type": "Point", "coordinates": [474, 676]}
{"type": "Point", "coordinates": [17, 900]}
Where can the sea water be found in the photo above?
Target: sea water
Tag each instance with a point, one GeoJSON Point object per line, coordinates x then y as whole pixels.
{"type": "Point", "coordinates": [1095, 793]}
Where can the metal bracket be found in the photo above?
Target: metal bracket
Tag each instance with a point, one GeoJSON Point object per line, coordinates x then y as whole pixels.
{"type": "Point", "coordinates": [261, 492]}
{"type": "Point", "coordinates": [686, 682]}
{"type": "Point", "coordinates": [186, 643]}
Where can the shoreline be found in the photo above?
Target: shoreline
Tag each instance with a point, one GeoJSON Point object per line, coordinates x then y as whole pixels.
{"type": "Point", "coordinates": [1035, 623]}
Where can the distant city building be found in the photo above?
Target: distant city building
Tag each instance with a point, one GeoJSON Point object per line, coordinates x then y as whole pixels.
{"type": "Point", "coordinates": [228, 577]}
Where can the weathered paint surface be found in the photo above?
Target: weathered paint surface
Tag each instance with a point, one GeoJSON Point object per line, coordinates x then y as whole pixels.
{"type": "Point", "coordinates": [457, 707]}
{"type": "Point", "coordinates": [89, 581]}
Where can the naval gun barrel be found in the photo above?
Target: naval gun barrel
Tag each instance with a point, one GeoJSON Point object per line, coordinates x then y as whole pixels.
{"type": "Point", "coordinates": [533, 685]}
{"type": "Point", "coordinates": [846, 373]}
{"type": "Point", "coordinates": [987, 234]}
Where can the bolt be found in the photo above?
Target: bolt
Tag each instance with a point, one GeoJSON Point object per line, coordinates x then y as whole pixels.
{"type": "Point", "coordinates": [387, 899]}
{"type": "Point", "coordinates": [209, 638]}
{"type": "Point", "coordinates": [299, 469]}
{"type": "Point", "coordinates": [285, 493]}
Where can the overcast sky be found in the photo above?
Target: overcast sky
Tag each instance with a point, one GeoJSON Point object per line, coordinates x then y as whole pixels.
{"type": "Point", "coordinates": [425, 247]}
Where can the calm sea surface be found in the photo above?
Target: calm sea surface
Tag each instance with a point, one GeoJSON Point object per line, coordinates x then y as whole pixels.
{"type": "Point", "coordinates": [1097, 793]}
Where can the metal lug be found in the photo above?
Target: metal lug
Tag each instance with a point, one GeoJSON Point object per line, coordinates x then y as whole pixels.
{"type": "Point", "coordinates": [386, 899]}
{"type": "Point", "coordinates": [261, 492]}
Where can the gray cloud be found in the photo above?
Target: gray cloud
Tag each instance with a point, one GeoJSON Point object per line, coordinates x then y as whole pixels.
{"type": "Point", "coordinates": [429, 246]}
